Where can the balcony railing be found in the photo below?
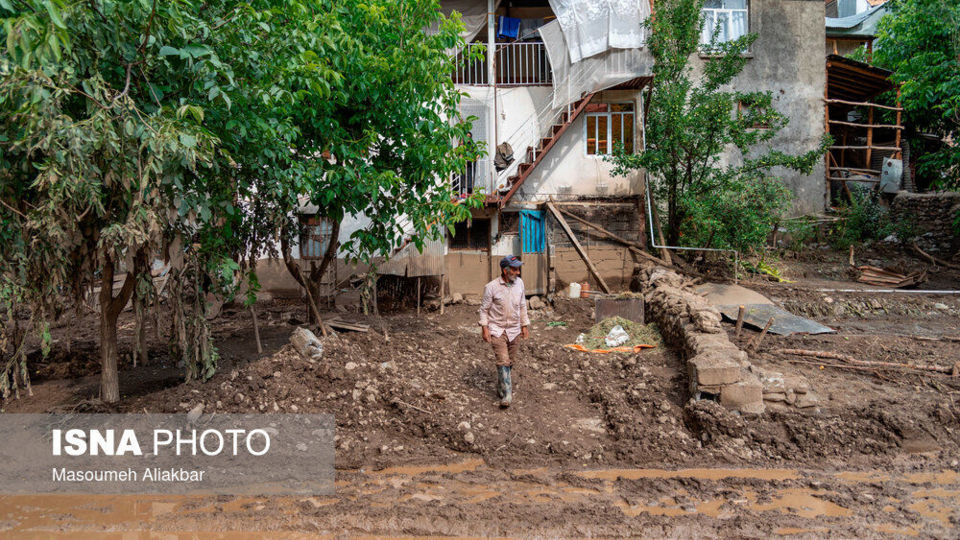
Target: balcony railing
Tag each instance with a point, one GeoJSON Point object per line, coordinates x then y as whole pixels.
{"type": "Point", "coordinates": [517, 64]}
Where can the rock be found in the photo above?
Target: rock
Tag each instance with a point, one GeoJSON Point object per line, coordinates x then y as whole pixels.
{"type": "Point", "coordinates": [468, 437]}
{"type": "Point", "coordinates": [456, 298]}
{"type": "Point", "coordinates": [941, 306]}
{"type": "Point", "coordinates": [464, 426]}
{"type": "Point", "coordinates": [712, 369]}
{"type": "Point", "coordinates": [194, 414]}
{"type": "Point", "coordinates": [294, 408]}
{"type": "Point", "coordinates": [264, 296]}
{"type": "Point", "coordinates": [536, 303]}
{"type": "Point", "coordinates": [775, 396]}
{"type": "Point", "coordinates": [307, 344]}
{"type": "Point", "coordinates": [549, 386]}
{"type": "Point", "coordinates": [746, 393]}
{"type": "Point", "coordinates": [350, 366]}
{"type": "Point", "coordinates": [807, 400]}
{"type": "Point", "coordinates": [238, 398]}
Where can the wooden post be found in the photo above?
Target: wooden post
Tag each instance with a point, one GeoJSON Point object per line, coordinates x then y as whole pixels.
{"type": "Point", "coordinates": [418, 296]}
{"type": "Point", "coordinates": [578, 247]}
{"type": "Point", "coordinates": [441, 294]}
{"type": "Point", "coordinates": [256, 330]}
{"type": "Point", "coordinates": [899, 126]}
{"type": "Point", "coordinates": [740, 314]}
{"type": "Point", "coordinates": [869, 136]}
{"type": "Point", "coordinates": [756, 341]}
{"type": "Point", "coordinates": [641, 221]}
{"type": "Point", "coordinates": [316, 312]}
{"type": "Point", "coordinates": [826, 129]}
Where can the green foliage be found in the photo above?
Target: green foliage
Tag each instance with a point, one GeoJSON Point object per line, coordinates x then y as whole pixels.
{"type": "Point", "coordinates": [865, 219]}
{"type": "Point", "coordinates": [193, 131]}
{"type": "Point", "coordinates": [690, 126]}
{"type": "Point", "coordinates": [919, 41]}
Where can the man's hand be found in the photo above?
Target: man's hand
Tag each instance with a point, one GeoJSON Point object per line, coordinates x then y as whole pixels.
{"type": "Point", "coordinates": [525, 332]}
{"type": "Point", "coordinates": [486, 334]}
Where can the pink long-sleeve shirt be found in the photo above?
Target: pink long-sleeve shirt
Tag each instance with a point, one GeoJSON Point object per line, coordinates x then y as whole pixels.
{"type": "Point", "coordinates": [504, 308]}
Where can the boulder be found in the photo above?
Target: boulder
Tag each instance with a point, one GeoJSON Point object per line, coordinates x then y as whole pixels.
{"type": "Point", "coordinates": [536, 303]}
{"type": "Point", "coordinates": [712, 369]}
{"type": "Point", "coordinates": [307, 344]}
{"type": "Point", "coordinates": [743, 396]}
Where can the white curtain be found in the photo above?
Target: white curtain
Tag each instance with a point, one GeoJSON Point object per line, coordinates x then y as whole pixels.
{"type": "Point", "coordinates": [738, 26]}
{"type": "Point", "coordinates": [598, 72]}
{"type": "Point", "coordinates": [592, 27]}
{"type": "Point", "coordinates": [472, 13]}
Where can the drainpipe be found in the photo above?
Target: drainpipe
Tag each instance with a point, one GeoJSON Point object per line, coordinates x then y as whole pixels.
{"type": "Point", "coordinates": [492, 81]}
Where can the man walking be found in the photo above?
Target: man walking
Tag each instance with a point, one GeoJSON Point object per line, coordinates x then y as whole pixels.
{"type": "Point", "coordinates": [503, 318]}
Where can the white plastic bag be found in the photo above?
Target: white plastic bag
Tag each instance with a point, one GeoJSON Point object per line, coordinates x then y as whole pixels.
{"type": "Point", "coordinates": [617, 336]}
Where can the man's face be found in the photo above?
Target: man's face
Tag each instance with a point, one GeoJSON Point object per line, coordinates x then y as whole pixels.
{"type": "Point", "coordinates": [510, 273]}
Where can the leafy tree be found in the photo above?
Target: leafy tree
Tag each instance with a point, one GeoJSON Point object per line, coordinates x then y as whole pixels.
{"type": "Point", "coordinates": [691, 123]}
{"type": "Point", "coordinates": [919, 41]}
{"type": "Point", "coordinates": [389, 126]}
{"type": "Point", "coordinates": [191, 131]}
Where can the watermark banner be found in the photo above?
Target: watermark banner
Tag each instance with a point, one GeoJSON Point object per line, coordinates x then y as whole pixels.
{"type": "Point", "coordinates": [240, 454]}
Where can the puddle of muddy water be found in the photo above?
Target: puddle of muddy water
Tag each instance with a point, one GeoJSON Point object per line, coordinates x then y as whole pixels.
{"type": "Point", "coordinates": [699, 474]}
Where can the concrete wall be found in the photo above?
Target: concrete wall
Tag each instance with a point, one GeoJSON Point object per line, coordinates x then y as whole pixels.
{"type": "Point", "coordinates": [787, 60]}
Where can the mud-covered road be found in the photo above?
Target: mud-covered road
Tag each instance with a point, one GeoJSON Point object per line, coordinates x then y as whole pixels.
{"type": "Point", "coordinates": [473, 498]}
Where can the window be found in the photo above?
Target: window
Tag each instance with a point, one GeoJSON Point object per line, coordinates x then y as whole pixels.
{"type": "Point", "coordinates": [472, 234]}
{"type": "Point", "coordinates": [727, 17]}
{"type": "Point", "coordinates": [745, 109]}
{"type": "Point", "coordinates": [607, 124]}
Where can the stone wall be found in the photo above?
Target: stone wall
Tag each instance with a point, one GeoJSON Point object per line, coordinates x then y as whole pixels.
{"type": "Point", "coordinates": [716, 367]}
{"type": "Point", "coordinates": [934, 215]}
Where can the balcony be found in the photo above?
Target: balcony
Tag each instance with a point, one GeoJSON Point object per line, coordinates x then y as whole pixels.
{"type": "Point", "coordinates": [517, 64]}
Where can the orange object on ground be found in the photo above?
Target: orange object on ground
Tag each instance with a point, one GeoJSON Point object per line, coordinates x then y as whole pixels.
{"type": "Point", "coordinates": [634, 349]}
{"type": "Point", "coordinates": [584, 290]}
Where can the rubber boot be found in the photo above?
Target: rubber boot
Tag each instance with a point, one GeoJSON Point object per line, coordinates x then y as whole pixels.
{"type": "Point", "coordinates": [507, 397]}
{"type": "Point", "coordinates": [500, 372]}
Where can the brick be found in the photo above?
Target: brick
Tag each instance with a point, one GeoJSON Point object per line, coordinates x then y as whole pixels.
{"type": "Point", "coordinates": [744, 394]}
{"type": "Point", "coordinates": [712, 369]}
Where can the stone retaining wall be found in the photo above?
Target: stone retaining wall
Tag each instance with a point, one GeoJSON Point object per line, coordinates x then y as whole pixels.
{"type": "Point", "coordinates": [716, 367]}
{"type": "Point", "coordinates": [934, 215]}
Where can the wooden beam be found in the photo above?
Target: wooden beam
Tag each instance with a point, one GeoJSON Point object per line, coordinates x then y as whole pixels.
{"type": "Point", "coordinates": [576, 244]}
{"type": "Point", "coordinates": [892, 148]}
{"type": "Point", "coordinates": [853, 169]}
{"type": "Point", "coordinates": [869, 136]}
{"type": "Point", "coordinates": [862, 104]}
{"type": "Point", "coordinates": [855, 124]}
{"type": "Point", "coordinates": [867, 180]}
{"type": "Point", "coordinates": [632, 246]}
{"type": "Point", "coordinates": [899, 118]}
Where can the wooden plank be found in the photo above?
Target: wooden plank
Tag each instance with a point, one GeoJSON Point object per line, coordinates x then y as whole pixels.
{"type": "Point", "coordinates": [854, 169]}
{"type": "Point", "coordinates": [855, 124]}
{"type": "Point", "coordinates": [892, 148]}
{"type": "Point", "coordinates": [869, 136]}
{"type": "Point", "coordinates": [343, 325]}
{"type": "Point", "coordinates": [867, 180]}
{"type": "Point", "coordinates": [861, 104]}
{"type": "Point", "coordinates": [576, 244]}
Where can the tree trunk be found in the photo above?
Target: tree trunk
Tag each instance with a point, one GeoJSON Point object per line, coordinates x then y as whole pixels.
{"type": "Point", "coordinates": [110, 308]}
{"type": "Point", "coordinates": [109, 379]}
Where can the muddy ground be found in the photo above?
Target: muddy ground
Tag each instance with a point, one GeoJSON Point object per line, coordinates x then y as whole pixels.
{"type": "Point", "coordinates": [595, 445]}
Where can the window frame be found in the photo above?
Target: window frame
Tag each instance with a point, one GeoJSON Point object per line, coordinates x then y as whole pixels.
{"type": "Point", "coordinates": [471, 240]}
{"type": "Point", "coordinates": [704, 47]}
{"type": "Point", "coordinates": [609, 116]}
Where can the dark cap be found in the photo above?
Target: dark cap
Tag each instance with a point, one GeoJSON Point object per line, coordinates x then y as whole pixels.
{"type": "Point", "coordinates": [510, 261]}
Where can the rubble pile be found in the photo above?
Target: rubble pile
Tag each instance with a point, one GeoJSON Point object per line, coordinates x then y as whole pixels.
{"type": "Point", "coordinates": [717, 368]}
